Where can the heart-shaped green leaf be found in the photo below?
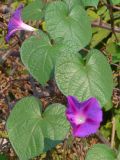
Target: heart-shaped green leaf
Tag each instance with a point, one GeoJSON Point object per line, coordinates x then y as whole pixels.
{"type": "Point", "coordinates": [39, 56]}
{"type": "Point", "coordinates": [100, 152]}
{"type": "Point", "coordinates": [34, 10]}
{"type": "Point", "coordinates": [70, 23]}
{"type": "Point", "coordinates": [84, 79]}
{"type": "Point", "coordinates": [32, 132]}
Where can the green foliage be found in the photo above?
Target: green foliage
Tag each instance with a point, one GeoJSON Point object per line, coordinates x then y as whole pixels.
{"type": "Point", "coordinates": [106, 129]}
{"type": "Point", "coordinates": [62, 21]}
{"type": "Point", "coordinates": [34, 10]}
{"type": "Point", "coordinates": [100, 152]}
{"type": "Point", "coordinates": [3, 157]}
{"type": "Point", "coordinates": [32, 132]}
{"type": "Point", "coordinates": [113, 49]}
{"type": "Point", "coordinates": [84, 79]}
{"type": "Point", "coordinates": [39, 56]}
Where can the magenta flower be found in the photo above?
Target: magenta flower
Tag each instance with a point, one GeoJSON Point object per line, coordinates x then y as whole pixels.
{"type": "Point", "coordinates": [16, 23]}
{"type": "Point", "coordinates": [84, 117]}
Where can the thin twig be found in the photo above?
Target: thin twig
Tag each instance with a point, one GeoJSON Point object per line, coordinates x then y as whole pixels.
{"type": "Point", "coordinates": [113, 6]}
{"type": "Point", "coordinates": [35, 93]}
{"type": "Point", "coordinates": [101, 24]}
{"type": "Point", "coordinates": [4, 57]}
{"type": "Point", "coordinates": [1, 144]}
{"type": "Point", "coordinates": [112, 18]}
{"type": "Point", "coordinates": [116, 7]}
{"type": "Point", "coordinates": [103, 139]}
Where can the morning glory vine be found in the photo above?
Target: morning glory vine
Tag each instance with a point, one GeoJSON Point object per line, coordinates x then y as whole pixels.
{"type": "Point", "coordinates": [60, 51]}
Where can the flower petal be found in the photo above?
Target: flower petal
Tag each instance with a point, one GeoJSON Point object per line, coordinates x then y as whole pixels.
{"type": "Point", "coordinates": [14, 22]}
{"type": "Point", "coordinates": [84, 117]}
{"type": "Point", "coordinates": [92, 109]}
{"type": "Point", "coordinates": [73, 104]}
{"type": "Point", "coordinates": [83, 130]}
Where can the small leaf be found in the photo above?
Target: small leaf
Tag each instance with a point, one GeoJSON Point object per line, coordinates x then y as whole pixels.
{"type": "Point", "coordinates": [32, 132]}
{"type": "Point", "coordinates": [34, 10]}
{"type": "Point", "coordinates": [92, 78]}
{"type": "Point", "coordinates": [92, 14]}
{"type": "Point", "coordinates": [113, 49]}
{"type": "Point", "coordinates": [115, 2]}
{"type": "Point", "coordinates": [118, 156]}
{"type": "Point", "coordinates": [72, 24]}
{"type": "Point", "coordinates": [72, 3]}
{"type": "Point", "coordinates": [90, 2]}
{"type": "Point", "coordinates": [39, 56]}
{"type": "Point", "coordinates": [99, 36]}
{"type": "Point", "coordinates": [100, 152]}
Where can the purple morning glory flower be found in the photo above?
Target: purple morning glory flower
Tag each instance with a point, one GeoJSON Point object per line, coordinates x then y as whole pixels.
{"type": "Point", "coordinates": [16, 23]}
{"type": "Point", "coordinates": [84, 117]}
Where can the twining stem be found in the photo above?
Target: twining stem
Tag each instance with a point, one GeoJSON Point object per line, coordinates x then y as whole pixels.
{"type": "Point", "coordinates": [113, 133]}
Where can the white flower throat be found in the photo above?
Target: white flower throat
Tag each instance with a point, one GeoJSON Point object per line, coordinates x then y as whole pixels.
{"type": "Point", "coordinates": [80, 120]}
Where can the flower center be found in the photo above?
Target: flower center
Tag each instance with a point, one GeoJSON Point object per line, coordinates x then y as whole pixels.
{"type": "Point", "coordinates": [80, 119]}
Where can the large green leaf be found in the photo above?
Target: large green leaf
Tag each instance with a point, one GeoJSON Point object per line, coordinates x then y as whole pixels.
{"type": "Point", "coordinates": [34, 10]}
{"type": "Point", "coordinates": [39, 56]}
{"type": "Point", "coordinates": [23, 128]}
{"type": "Point", "coordinates": [93, 77]}
{"type": "Point", "coordinates": [71, 23]}
{"type": "Point", "coordinates": [32, 132]}
{"type": "Point", "coordinates": [100, 152]}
